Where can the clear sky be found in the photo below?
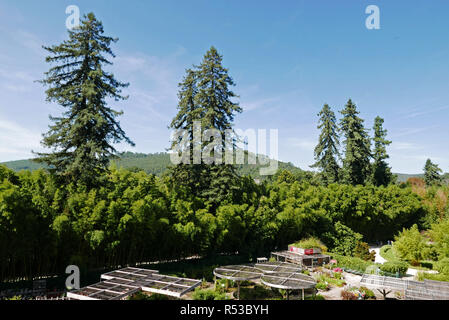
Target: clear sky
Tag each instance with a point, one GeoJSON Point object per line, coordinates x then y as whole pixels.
{"type": "Point", "coordinates": [287, 58]}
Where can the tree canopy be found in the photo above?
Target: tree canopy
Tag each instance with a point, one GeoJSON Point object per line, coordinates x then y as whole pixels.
{"type": "Point", "coordinates": [82, 138]}
{"type": "Point", "coordinates": [326, 152]}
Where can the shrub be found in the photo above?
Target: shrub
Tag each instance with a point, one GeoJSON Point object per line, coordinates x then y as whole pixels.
{"type": "Point", "coordinates": [394, 267]}
{"type": "Point", "coordinates": [430, 253]}
{"type": "Point", "coordinates": [410, 244]}
{"type": "Point", "coordinates": [158, 297]}
{"type": "Point", "coordinates": [432, 276]}
{"type": "Point", "coordinates": [208, 294]}
{"type": "Point", "coordinates": [362, 251]}
{"type": "Point", "coordinates": [343, 240]}
{"type": "Point", "coordinates": [322, 286]}
{"type": "Point", "coordinates": [427, 264]}
{"type": "Point", "coordinates": [310, 243]}
{"type": "Point", "coordinates": [331, 281]}
{"type": "Point", "coordinates": [257, 293]}
{"type": "Point", "coordinates": [368, 294]}
{"type": "Point", "coordinates": [222, 284]}
{"type": "Point", "coordinates": [442, 266]}
{"type": "Point", "coordinates": [440, 236]}
{"type": "Point", "coordinates": [415, 263]}
{"type": "Point", "coordinates": [351, 263]}
{"type": "Point", "coordinates": [347, 295]}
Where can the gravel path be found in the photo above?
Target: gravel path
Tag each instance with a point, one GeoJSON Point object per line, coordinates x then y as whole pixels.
{"type": "Point", "coordinates": [378, 259]}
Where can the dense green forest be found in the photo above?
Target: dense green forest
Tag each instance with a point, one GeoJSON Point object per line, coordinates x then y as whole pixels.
{"type": "Point", "coordinates": [83, 208]}
{"type": "Point", "coordinates": [154, 163]}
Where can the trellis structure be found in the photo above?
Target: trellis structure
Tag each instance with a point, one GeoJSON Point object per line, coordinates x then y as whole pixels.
{"type": "Point", "coordinates": [278, 266]}
{"type": "Point", "coordinates": [289, 281]}
{"type": "Point", "coordinates": [277, 274]}
{"type": "Point", "coordinates": [238, 273]}
{"type": "Point", "coordinates": [411, 289]}
{"type": "Point", "coordinates": [120, 284]}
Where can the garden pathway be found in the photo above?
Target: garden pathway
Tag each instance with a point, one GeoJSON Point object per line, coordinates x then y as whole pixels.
{"type": "Point", "coordinates": [378, 258]}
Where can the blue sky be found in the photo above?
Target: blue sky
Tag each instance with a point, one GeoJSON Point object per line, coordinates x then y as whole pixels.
{"type": "Point", "coordinates": [287, 58]}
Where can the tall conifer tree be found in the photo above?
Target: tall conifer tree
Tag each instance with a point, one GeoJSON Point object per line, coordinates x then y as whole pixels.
{"type": "Point", "coordinates": [382, 175]}
{"type": "Point", "coordinates": [432, 173]}
{"type": "Point", "coordinates": [326, 152]}
{"type": "Point", "coordinates": [356, 164]}
{"type": "Point", "coordinates": [215, 98]}
{"type": "Point", "coordinates": [82, 138]}
{"type": "Point", "coordinates": [205, 96]}
{"type": "Point", "coordinates": [187, 175]}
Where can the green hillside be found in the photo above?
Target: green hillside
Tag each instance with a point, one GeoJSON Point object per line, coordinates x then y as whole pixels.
{"type": "Point", "coordinates": [154, 163]}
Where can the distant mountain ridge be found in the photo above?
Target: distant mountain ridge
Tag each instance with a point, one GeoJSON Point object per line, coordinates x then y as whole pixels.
{"type": "Point", "coordinates": [154, 163]}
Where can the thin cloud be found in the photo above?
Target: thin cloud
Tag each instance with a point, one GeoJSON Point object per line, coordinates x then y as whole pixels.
{"type": "Point", "coordinates": [423, 113]}
{"type": "Point", "coordinates": [16, 141]}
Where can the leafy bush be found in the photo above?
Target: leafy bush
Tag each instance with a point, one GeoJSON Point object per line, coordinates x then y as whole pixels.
{"type": "Point", "coordinates": [222, 284]}
{"type": "Point", "coordinates": [440, 235]}
{"type": "Point", "coordinates": [322, 278]}
{"type": "Point", "coordinates": [442, 266]}
{"type": "Point", "coordinates": [361, 251]}
{"type": "Point", "coordinates": [158, 297]}
{"type": "Point", "coordinates": [427, 265]}
{"type": "Point", "coordinates": [342, 239]}
{"type": "Point", "coordinates": [258, 292]}
{"type": "Point", "coordinates": [351, 263]}
{"type": "Point", "coordinates": [410, 245]}
{"type": "Point", "coordinates": [322, 286]}
{"type": "Point", "coordinates": [430, 253]}
{"type": "Point", "coordinates": [310, 243]}
{"type": "Point", "coordinates": [368, 294]}
{"type": "Point", "coordinates": [432, 276]}
{"type": "Point", "coordinates": [208, 294]}
{"type": "Point", "coordinates": [394, 267]}
{"type": "Point", "coordinates": [348, 295]}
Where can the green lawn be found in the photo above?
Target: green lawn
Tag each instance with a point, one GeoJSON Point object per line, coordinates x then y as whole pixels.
{"type": "Point", "coordinates": [388, 254]}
